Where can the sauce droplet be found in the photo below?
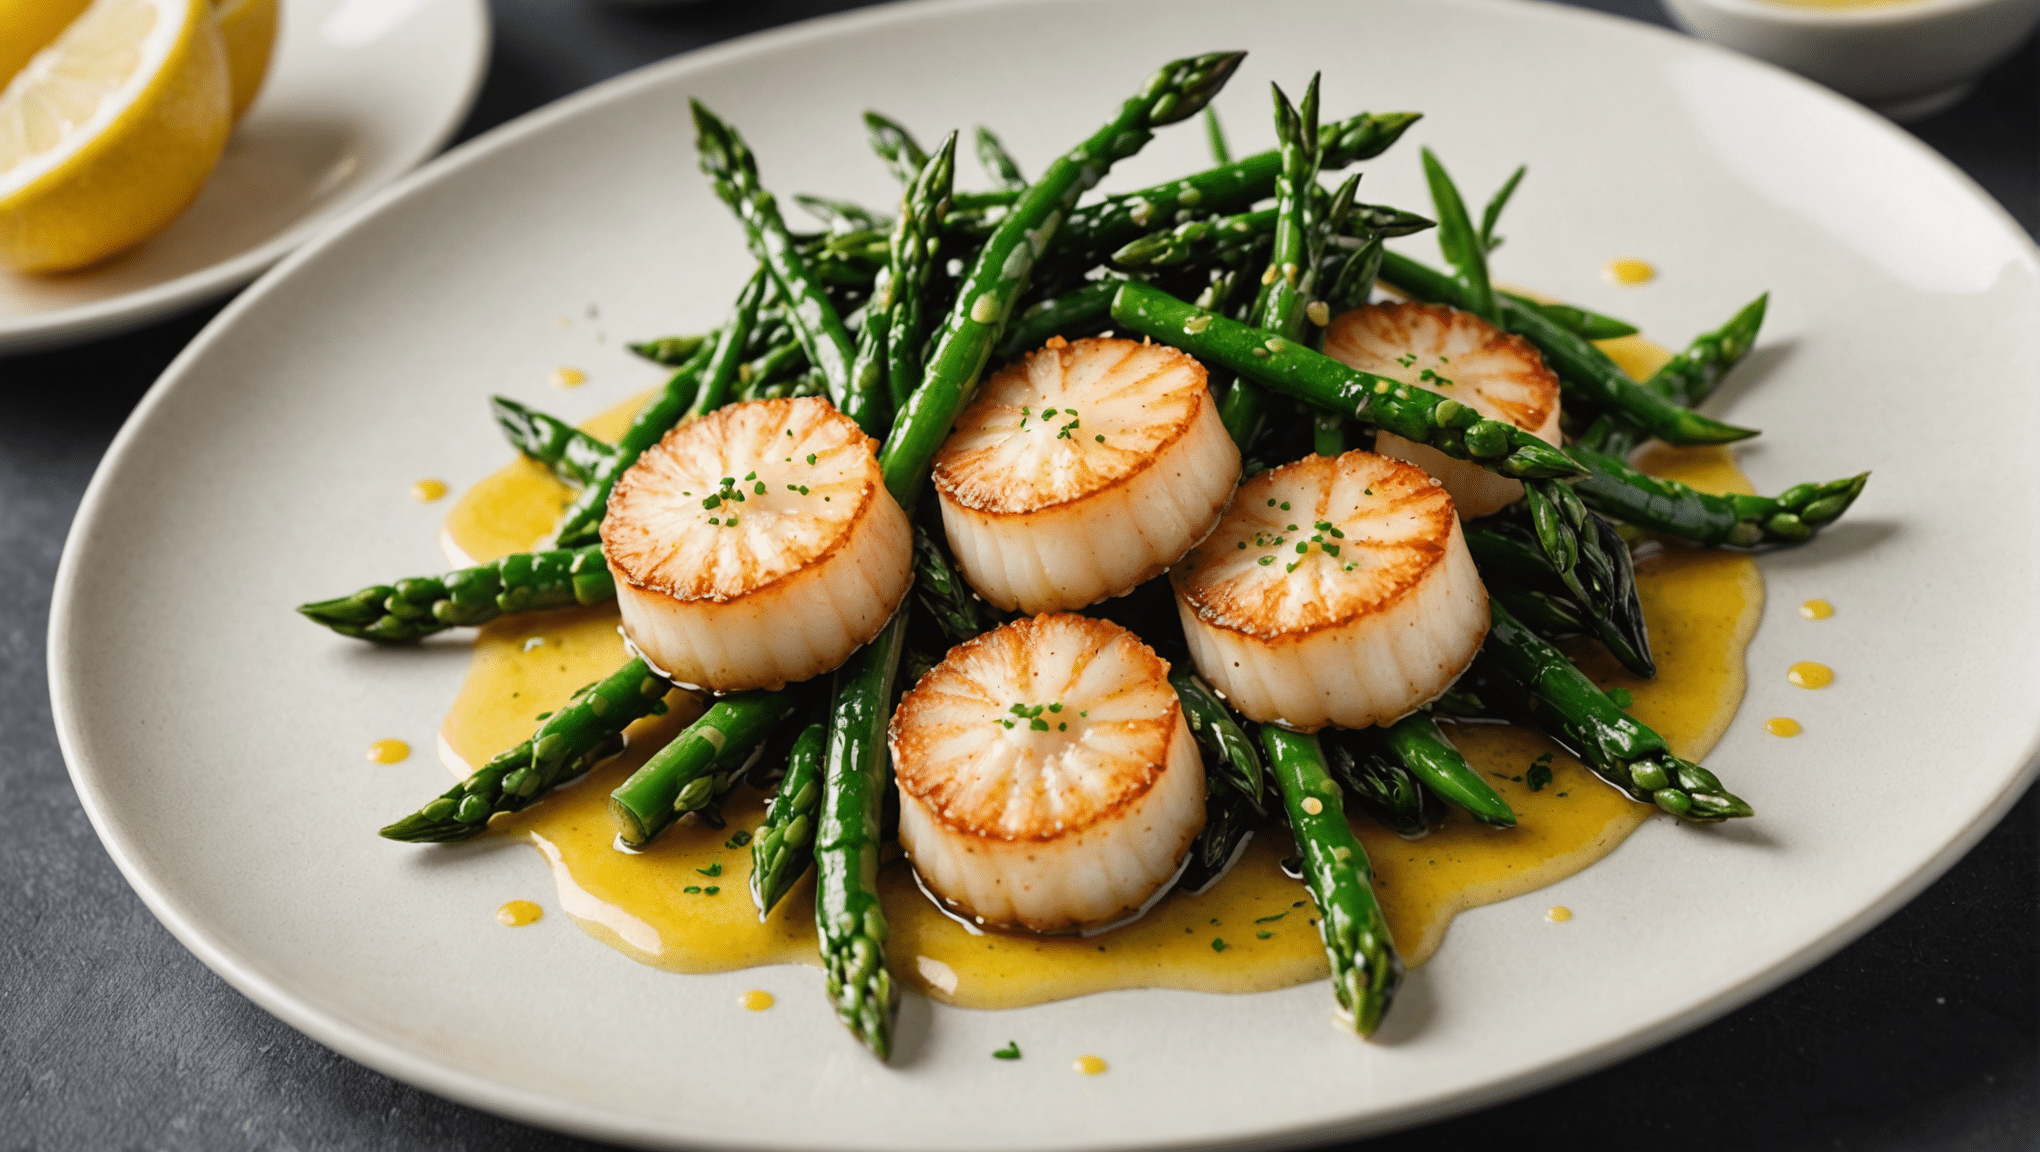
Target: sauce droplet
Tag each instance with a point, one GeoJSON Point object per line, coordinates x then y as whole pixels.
{"type": "Point", "coordinates": [1089, 1065]}
{"type": "Point", "coordinates": [1559, 914]}
{"type": "Point", "coordinates": [1629, 270]}
{"type": "Point", "coordinates": [388, 751]}
{"type": "Point", "coordinates": [1807, 674]}
{"type": "Point", "coordinates": [426, 491]}
{"type": "Point", "coordinates": [756, 1000]}
{"type": "Point", "coordinates": [569, 378]}
{"type": "Point", "coordinates": [1783, 726]}
{"type": "Point", "coordinates": [1816, 609]}
{"type": "Point", "coordinates": [518, 913]}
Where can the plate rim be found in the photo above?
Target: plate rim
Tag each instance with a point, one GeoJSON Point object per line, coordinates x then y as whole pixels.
{"type": "Point", "coordinates": [63, 327]}
{"type": "Point", "coordinates": [567, 1116]}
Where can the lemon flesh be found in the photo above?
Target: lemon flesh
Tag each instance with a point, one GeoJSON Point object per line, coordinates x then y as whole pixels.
{"type": "Point", "coordinates": [248, 29]}
{"type": "Point", "coordinates": [28, 26]}
{"type": "Point", "coordinates": [110, 132]}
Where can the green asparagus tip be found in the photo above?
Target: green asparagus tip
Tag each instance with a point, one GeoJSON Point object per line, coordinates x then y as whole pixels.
{"type": "Point", "coordinates": [1690, 427]}
{"type": "Point", "coordinates": [417, 828]}
{"type": "Point", "coordinates": [1183, 87]}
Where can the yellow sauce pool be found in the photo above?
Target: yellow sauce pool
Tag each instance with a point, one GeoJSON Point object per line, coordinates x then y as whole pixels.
{"type": "Point", "coordinates": [684, 904]}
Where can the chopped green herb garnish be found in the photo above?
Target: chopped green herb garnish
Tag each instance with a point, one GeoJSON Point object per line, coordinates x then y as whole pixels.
{"type": "Point", "coordinates": [1010, 1052]}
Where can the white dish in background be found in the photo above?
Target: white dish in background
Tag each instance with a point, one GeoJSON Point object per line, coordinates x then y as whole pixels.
{"type": "Point", "coordinates": [1909, 59]}
{"type": "Point", "coordinates": [359, 93]}
{"type": "Point", "coordinates": [216, 739]}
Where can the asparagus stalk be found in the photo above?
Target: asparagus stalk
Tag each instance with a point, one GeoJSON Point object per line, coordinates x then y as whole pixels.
{"type": "Point", "coordinates": [587, 729]}
{"type": "Point", "coordinates": [572, 455]}
{"type": "Point", "coordinates": [1463, 248]}
{"type": "Point", "coordinates": [1592, 560]}
{"type": "Point", "coordinates": [681, 777]}
{"type": "Point", "coordinates": [1618, 490]}
{"type": "Point", "coordinates": [702, 386]}
{"type": "Point", "coordinates": [848, 916]}
{"type": "Point", "coordinates": [998, 163]}
{"type": "Point", "coordinates": [1200, 241]}
{"type": "Point", "coordinates": [1378, 782]}
{"type": "Point", "coordinates": [1079, 312]}
{"type": "Point", "coordinates": [414, 608]}
{"type": "Point", "coordinates": [1584, 370]}
{"type": "Point", "coordinates": [1214, 134]}
{"type": "Point", "coordinates": [1616, 746]}
{"type": "Point", "coordinates": [1692, 375]}
{"type": "Point", "coordinates": [1365, 967]}
{"type": "Point", "coordinates": [1232, 782]}
{"type": "Point", "coordinates": [1287, 283]}
{"type": "Point", "coordinates": [1493, 214]}
{"type": "Point", "coordinates": [915, 245]}
{"type": "Point", "coordinates": [942, 596]}
{"type": "Point", "coordinates": [672, 351]}
{"type": "Point", "coordinates": [1431, 758]}
{"type": "Point", "coordinates": [896, 146]}
{"type": "Point", "coordinates": [1578, 321]}
{"type": "Point", "coordinates": [783, 846]}
{"type": "Point", "coordinates": [731, 168]}
{"type": "Point", "coordinates": [1295, 370]}
{"type": "Point", "coordinates": [841, 215]}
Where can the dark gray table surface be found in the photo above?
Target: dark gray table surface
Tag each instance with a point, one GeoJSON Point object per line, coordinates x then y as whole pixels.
{"type": "Point", "coordinates": [1925, 1034]}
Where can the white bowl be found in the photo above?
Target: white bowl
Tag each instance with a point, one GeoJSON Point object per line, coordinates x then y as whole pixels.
{"type": "Point", "coordinates": [1908, 59]}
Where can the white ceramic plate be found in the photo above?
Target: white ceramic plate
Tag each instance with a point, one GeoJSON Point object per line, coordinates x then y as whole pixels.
{"type": "Point", "coordinates": [359, 93]}
{"type": "Point", "coordinates": [217, 740]}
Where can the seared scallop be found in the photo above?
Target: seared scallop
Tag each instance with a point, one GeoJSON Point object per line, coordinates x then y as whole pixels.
{"type": "Point", "coordinates": [756, 545]}
{"type": "Point", "coordinates": [1336, 590]}
{"type": "Point", "coordinates": [1460, 355]}
{"type": "Point", "coordinates": [1048, 781]}
{"type": "Point", "coordinates": [1081, 471]}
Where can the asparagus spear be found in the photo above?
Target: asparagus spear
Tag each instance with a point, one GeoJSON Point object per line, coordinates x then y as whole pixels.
{"type": "Point", "coordinates": [1286, 285]}
{"type": "Point", "coordinates": [1199, 241]}
{"type": "Point", "coordinates": [783, 846]}
{"type": "Point", "coordinates": [1365, 967]}
{"type": "Point", "coordinates": [1592, 560]}
{"type": "Point", "coordinates": [1667, 506]}
{"type": "Point", "coordinates": [1463, 248]}
{"type": "Point", "coordinates": [848, 917]}
{"type": "Point", "coordinates": [915, 245]}
{"type": "Point", "coordinates": [1096, 229]}
{"type": "Point", "coordinates": [1079, 312]}
{"type": "Point", "coordinates": [702, 386]}
{"type": "Point", "coordinates": [571, 454]}
{"type": "Point", "coordinates": [1583, 369]}
{"type": "Point", "coordinates": [730, 167]}
{"type": "Point", "coordinates": [1295, 370]}
{"type": "Point", "coordinates": [1493, 214]}
{"type": "Point", "coordinates": [942, 596]}
{"type": "Point", "coordinates": [419, 606]}
{"type": "Point", "coordinates": [1579, 321]}
{"type": "Point", "coordinates": [998, 163]}
{"type": "Point", "coordinates": [672, 351]}
{"type": "Point", "coordinates": [1232, 782]}
{"type": "Point", "coordinates": [1378, 782]}
{"type": "Point", "coordinates": [1616, 746]}
{"type": "Point", "coordinates": [896, 146]}
{"type": "Point", "coordinates": [681, 777]}
{"type": "Point", "coordinates": [1214, 134]}
{"type": "Point", "coordinates": [587, 729]}
{"type": "Point", "coordinates": [1428, 755]}
{"type": "Point", "coordinates": [1692, 375]}
{"type": "Point", "coordinates": [1215, 727]}
{"type": "Point", "coordinates": [841, 215]}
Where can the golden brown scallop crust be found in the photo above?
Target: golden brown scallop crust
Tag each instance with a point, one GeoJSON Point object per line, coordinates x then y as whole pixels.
{"type": "Point", "coordinates": [1406, 342]}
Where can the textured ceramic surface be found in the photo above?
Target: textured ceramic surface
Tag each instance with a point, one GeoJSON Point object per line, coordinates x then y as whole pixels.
{"type": "Point", "coordinates": [217, 740]}
{"type": "Point", "coordinates": [359, 93]}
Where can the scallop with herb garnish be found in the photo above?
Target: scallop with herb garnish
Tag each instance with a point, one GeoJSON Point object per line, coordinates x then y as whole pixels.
{"type": "Point", "coordinates": [1460, 355]}
{"type": "Point", "coordinates": [1048, 781]}
{"type": "Point", "coordinates": [1336, 590]}
{"type": "Point", "coordinates": [1081, 471]}
{"type": "Point", "coordinates": [756, 546]}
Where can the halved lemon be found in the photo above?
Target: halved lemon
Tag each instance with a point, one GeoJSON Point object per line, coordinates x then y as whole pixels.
{"type": "Point", "coordinates": [110, 132]}
{"type": "Point", "coordinates": [28, 26]}
{"type": "Point", "coordinates": [248, 29]}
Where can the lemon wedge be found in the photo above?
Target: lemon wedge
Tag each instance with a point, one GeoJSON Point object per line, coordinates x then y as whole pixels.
{"type": "Point", "coordinates": [28, 26]}
{"type": "Point", "coordinates": [248, 29]}
{"type": "Point", "coordinates": [110, 132]}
